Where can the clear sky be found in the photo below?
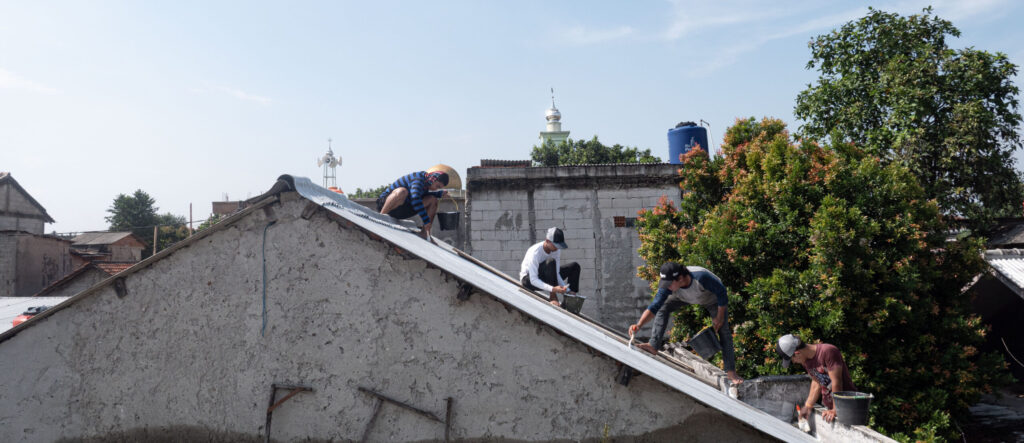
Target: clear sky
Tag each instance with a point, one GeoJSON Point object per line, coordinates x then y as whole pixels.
{"type": "Point", "coordinates": [192, 100]}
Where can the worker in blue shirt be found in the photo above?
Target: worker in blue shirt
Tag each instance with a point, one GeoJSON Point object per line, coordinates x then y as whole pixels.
{"type": "Point", "coordinates": [415, 193]}
{"type": "Point", "coordinates": [682, 285]}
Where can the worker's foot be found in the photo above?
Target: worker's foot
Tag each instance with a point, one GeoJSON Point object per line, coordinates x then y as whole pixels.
{"type": "Point", "coordinates": [734, 377]}
{"type": "Point", "coordinates": [647, 347]}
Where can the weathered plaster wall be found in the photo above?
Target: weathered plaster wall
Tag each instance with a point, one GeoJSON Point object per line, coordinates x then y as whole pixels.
{"type": "Point", "coordinates": [29, 262]}
{"type": "Point", "coordinates": [182, 351]}
{"type": "Point", "coordinates": [512, 208]}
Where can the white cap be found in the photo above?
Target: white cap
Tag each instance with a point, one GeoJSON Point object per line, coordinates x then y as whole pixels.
{"type": "Point", "coordinates": [786, 347]}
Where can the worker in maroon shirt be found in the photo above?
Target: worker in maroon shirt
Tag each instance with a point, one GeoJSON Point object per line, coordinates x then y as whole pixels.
{"type": "Point", "coordinates": [824, 363]}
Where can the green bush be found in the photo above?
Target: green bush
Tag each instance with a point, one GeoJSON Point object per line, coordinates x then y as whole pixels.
{"type": "Point", "coordinates": [829, 243]}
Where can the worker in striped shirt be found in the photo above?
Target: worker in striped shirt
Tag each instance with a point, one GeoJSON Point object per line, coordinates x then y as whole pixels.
{"type": "Point", "coordinates": [416, 193]}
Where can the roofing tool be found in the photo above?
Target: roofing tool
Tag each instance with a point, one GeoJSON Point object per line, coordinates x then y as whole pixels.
{"type": "Point", "coordinates": [631, 337]}
{"type": "Point", "coordinates": [802, 422]}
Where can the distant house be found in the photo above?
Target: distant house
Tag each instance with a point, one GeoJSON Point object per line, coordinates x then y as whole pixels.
{"type": "Point", "coordinates": [106, 247]}
{"type": "Point", "coordinates": [29, 260]}
{"type": "Point", "coordinates": [226, 208]}
{"type": "Point", "coordinates": [83, 278]}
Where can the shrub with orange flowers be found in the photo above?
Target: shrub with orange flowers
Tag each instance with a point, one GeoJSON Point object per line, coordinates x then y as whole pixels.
{"type": "Point", "coordinates": [831, 244]}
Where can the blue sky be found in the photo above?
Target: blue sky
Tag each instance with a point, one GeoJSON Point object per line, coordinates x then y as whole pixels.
{"type": "Point", "coordinates": [192, 100]}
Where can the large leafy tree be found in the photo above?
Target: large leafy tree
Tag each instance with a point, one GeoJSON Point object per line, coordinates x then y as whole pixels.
{"type": "Point", "coordinates": [839, 247]}
{"type": "Point", "coordinates": [580, 152]}
{"type": "Point", "coordinates": [137, 213]}
{"type": "Point", "coordinates": [891, 85]}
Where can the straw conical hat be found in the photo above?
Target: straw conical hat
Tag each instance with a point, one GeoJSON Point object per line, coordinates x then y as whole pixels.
{"type": "Point", "coordinates": [454, 181]}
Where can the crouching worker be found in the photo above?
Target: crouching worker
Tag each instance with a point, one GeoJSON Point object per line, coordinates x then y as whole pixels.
{"type": "Point", "coordinates": [681, 285]}
{"type": "Point", "coordinates": [824, 363]}
{"type": "Point", "coordinates": [416, 193]}
{"type": "Point", "coordinates": [542, 267]}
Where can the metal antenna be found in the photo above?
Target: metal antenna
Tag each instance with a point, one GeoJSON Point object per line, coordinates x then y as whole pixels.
{"type": "Point", "coordinates": [711, 139]}
{"type": "Point", "coordinates": [553, 98]}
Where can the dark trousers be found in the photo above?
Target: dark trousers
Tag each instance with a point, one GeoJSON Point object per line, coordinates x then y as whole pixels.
{"type": "Point", "coordinates": [546, 272]}
{"type": "Point", "coordinates": [724, 333]}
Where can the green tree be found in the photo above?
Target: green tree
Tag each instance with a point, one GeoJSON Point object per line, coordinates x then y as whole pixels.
{"type": "Point", "coordinates": [892, 86]}
{"type": "Point", "coordinates": [137, 214]}
{"type": "Point", "coordinates": [369, 193]}
{"type": "Point", "coordinates": [588, 152]}
{"type": "Point", "coordinates": [836, 246]}
{"type": "Point", "coordinates": [210, 221]}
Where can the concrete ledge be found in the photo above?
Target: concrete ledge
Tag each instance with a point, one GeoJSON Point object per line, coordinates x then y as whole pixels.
{"type": "Point", "coordinates": [478, 178]}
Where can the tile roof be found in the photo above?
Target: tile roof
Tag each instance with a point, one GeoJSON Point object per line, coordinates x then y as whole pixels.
{"type": "Point", "coordinates": [113, 267]}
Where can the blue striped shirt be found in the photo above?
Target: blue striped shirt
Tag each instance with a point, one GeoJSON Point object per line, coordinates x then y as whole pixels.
{"type": "Point", "coordinates": [416, 183]}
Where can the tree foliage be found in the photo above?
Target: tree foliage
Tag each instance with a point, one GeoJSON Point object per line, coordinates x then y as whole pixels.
{"type": "Point", "coordinates": [588, 152]}
{"type": "Point", "coordinates": [892, 86]}
{"type": "Point", "coordinates": [137, 213]}
{"type": "Point", "coordinates": [839, 247]}
{"type": "Point", "coordinates": [369, 193]}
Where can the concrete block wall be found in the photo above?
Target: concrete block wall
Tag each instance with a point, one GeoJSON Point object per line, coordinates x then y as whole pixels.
{"type": "Point", "coordinates": [40, 261]}
{"type": "Point", "coordinates": [182, 351]}
{"type": "Point", "coordinates": [510, 209]}
{"type": "Point", "coordinates": [8, 262]}
{"type": "Point", "coordinates": [17, 213]}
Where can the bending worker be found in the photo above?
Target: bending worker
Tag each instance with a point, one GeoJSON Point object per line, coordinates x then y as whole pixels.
{"type": "Point", "coordinates": [824, 363]}
{"type": "Point", "coordinates": [542, 267]}
{"type": "Point", "coordinates": [682, 285]}
{"type": "Point", "coordinates": [416, 193]}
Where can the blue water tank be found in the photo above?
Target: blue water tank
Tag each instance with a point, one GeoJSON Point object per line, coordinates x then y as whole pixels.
{"type": "Point", "coordinates": [683, 138]}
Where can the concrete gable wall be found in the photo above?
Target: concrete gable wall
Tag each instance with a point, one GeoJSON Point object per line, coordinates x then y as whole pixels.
{"type": "Point", "coordinates": [17, 213]}
{"type": "Point", "coordinates": [182, 352]}
{"type": "Point", "coordinates": [507, 219]}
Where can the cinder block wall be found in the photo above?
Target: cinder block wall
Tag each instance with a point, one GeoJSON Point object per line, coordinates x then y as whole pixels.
{"type": "Point", "coordinates": [511, 208]}
{"type": "Point", "coordinates": [180, 352]}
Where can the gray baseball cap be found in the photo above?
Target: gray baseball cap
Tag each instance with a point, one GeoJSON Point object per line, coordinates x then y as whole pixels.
{"type": "Point", "coordinates": [787, 346]}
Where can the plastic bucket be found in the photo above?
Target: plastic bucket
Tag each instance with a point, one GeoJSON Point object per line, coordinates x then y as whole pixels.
{"type": "Point", "coordinates": [852, 407]}
{"type": "Point", "coordinates": [705, 343]}
{"type": "Point", "coordinates": [449, 220]}
{"type": "Point", "coordinates": [573, 303]}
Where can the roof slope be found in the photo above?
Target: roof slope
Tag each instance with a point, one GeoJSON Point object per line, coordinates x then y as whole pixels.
{"type": "Point", "coordinates": [99, 238]}
{"type": "Point", "coordinates": [505, 289]}
{"type": "Point", "coordinates": [1008, 265]}
{"type": "Point", "coordinates": [486, 280]}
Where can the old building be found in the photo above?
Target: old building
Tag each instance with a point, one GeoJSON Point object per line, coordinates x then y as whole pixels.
{"type": "Point", "coordinates": [82, 278]}
{"type": "Point", "coordinates": [29, 260]}
{"type": "Point", "coordinates": [120, 247]}
{"type": "Point", "coordinates": [510, 205]}
{"type": "Point", "coordinates": [354, 328]}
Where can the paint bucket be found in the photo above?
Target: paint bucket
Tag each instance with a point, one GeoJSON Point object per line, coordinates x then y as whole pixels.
{"type": "Point", "coordinates": [573, 303]}
{"type": "Point", "coordinates": [705, 343]}
{"type": "Point", "coordinates": [449, 220]}
{"type": "Point", "coordinates": [852, 407]}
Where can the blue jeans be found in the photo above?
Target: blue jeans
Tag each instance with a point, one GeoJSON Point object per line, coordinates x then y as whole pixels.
{"type": "Point", "coordinates": [724, 333]}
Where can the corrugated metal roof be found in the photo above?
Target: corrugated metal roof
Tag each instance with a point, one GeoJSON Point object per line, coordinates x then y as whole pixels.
{"type": "Point", "coordinates": [1009, 267]}
{"type": "Point", "coordinates": [601, 340]}
{"type": "Point", "coordinates": [99, 238]}
{"type": "Point", "coordinates": [11, 307]}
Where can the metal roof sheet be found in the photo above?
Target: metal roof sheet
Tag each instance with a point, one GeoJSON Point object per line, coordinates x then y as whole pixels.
{"type": "Point", "coordinates": [448, 259]}
{"type": "Point", "coordinates": [11, 307]}
{"type": "Point", "coordinates": [99, 238]}
{"type": "Point", "coordinates": [1009, 267]}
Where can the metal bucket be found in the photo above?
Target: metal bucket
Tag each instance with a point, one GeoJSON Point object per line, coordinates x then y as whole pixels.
{"type": "Point", "coordinates": [449, 220]}
{"type": "Point", "coordinates": [573, 303]}
{"type": "Point", "coordinates": [705, 343]}
{"type": "Point", "coordinates": [852, 407]}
